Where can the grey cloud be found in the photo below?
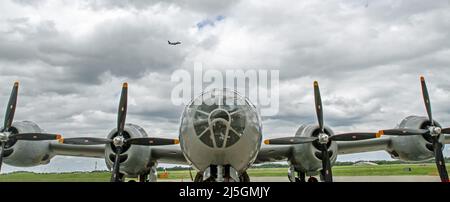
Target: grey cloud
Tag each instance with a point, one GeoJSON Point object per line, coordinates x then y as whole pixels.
{"type": "Point", "coordinates": [121, 47]}
{"type": "Point", "coordinates": [367, 61]}
{"type": "Point", "coordinates": [30, 2]}
{"type": "Point", "coordinates": [311, 39]}
{"type": "Point", "coordinates": [206, 7]}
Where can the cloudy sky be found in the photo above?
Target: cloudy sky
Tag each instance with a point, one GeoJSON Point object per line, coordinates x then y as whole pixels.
{"type": "Point", "coordinates": [72, 56]}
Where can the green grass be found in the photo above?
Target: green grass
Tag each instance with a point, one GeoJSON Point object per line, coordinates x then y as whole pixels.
{"type": "Point", "coordinates": [365, 170]}
{"type": "Point", "coordinates": [56, 177]}
{"type": "Point", "coordinates": [385, 170]}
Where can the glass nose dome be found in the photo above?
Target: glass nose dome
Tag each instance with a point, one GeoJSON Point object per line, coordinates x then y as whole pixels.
{"type": "Point", "coordinates": [220, 117]}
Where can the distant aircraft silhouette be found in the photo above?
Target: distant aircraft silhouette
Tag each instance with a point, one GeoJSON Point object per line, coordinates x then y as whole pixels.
{"type": "Point", "coordinates": [174, 43]}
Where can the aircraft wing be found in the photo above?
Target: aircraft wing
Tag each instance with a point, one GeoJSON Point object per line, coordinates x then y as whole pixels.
{"type": "Point", "coordinates": [378, 144]}
{"type": "Point", "coordinates": [273, 153]}
{"type": "Point", "coordinates": [350, 147]}
{"type": "Point", "coordinates": [276, 153]}
{"type": "Point", "coordinates": [95, 151]}
{"type": "Point", "coordinates": [162, 154]}
{"type": "Point", "coordinates": [171, 154]}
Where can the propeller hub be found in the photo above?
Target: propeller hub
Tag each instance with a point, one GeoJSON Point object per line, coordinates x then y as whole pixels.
{"type": "Point", "coordinates": [4, 136]}
{"type": "Point", "coordinates": [435, 131]}
{"type": "Point", "coordinates": [323, 138]}
{"type": "Point", "coordinates": [118, 141]}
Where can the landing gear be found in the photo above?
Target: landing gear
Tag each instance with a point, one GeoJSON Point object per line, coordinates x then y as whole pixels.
{"type": "Point", "coordinates": [150, 176]}
{"type": "Point", "coordinates": [198, 177]}
{"type": "Point", "coordinates": [221, 174]}
{"type": "Point", "coordinates": [301, 177]}
{"type": "Point", "coordinates": [296, 176]}
{"type": "Point", "coordinates": [121, 178]}
{"type": "Point", "coordinates": [212, 174]}
{"type": "Point", "coordinates": [291, 174]}
{"type": "Point", "coordinates": [212, 177]}
{"type": "Point", "coordinates": [312, 179]}
{"type": "Point", "coordinates": [244, 177]}
{"type": "Point", "coordinates": [153, 174]}
{"type": "Point", "coordinates": [143, 178]}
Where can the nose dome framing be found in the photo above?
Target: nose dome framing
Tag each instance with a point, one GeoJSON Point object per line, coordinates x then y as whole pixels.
{"type": "Point", "coordinates": [219, 121]}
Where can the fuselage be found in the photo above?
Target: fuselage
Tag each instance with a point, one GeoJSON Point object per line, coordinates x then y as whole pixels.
{"type": "Point", "coordinates": [220, 127]}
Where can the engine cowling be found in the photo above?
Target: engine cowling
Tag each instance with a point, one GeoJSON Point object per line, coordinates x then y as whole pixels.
{"type": "Point", "coordinates": [27, 153]}
{"type": "Point", "coordinates": [306, 157]}
{"type": "Point", "coordinates": [135, 159]}
{"type": "Point", "coordinates": [413, 148]}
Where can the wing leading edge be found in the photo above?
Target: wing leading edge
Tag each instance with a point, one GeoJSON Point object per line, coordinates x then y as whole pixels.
{"type": "Point", "coordinates": [94, 151]}
{"type": "Point", "coordinates": [172, 154]}
{"type": "Point", "coordinates": [276, 153]}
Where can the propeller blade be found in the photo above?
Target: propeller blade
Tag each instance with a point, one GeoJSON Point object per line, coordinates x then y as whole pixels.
{"type": "Point", "coordinates": [318, 102]}
{"type": "Point", "coordinates": [403, 131]}
{"type": "Point", "coordinates": [116, 166]}
{"type": "Point", "coordinates": [446, 130]}
{"type": "Point", "coordinates": [326, 165]}
{"type": "Point", "coordinates": [11, 108]}
{"type": "Point", "coordinates": [85, 141]}
{"type": "Point", "coordinates": [122, 112]}
{"type": "Point", "coordinates": [151, 141]}
{"type": "Point", "coordinates": [290, 140]}
{"type": "Point", "coordinates": [354, 136]}
{"type": "Point", "coordinates": [439, 158]}
{"type": "Point", "coordinates": [426, 99]}
{"type": "Point", "coordinates": [2, 150]}
{"type": "Point", "coordinates": [36, 136]}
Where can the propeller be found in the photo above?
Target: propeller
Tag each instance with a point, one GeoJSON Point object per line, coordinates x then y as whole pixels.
{"type": "Point", "coordinates": [338, 137]}
{"type": "Point", "coordinates": [323, 138]}
{"type": "Point", "coordinates": [432, 131]}
{"type": "Point", "coordinates": [119, 141]}
{"type": "Point", "coordinates": [7, 135]}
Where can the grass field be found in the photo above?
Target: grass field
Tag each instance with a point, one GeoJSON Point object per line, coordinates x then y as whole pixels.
{"type": "Point", "coordinates": [365, 170]}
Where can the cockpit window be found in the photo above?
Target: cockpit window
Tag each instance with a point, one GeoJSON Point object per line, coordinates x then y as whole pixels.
{"type": "Point", "coordinates": [220, 119]}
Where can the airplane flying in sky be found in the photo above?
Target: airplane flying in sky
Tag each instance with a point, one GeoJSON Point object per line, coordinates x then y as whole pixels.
{"type": "Point", "coordinates": [174, 43]}
{"type": "Point", "coordinates": [220, 136]}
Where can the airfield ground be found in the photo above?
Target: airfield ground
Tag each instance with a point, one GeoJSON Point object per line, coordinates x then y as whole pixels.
{"type": "Point", "coordinates": [366, 173]}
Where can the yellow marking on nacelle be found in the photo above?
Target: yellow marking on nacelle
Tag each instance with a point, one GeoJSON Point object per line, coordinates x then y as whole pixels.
{"type": "Point", "coordinates": [379, 134]}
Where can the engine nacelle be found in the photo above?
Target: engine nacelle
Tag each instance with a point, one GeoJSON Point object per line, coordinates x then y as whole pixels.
{"type": "Point", "coordinates": [413, 148]}
{"type": "Point", "coordinates": [27, 153]}
{"type": "Point", "coordinates": [306, 157]}
{"type": "Point", "coordinates": [135, 159]}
